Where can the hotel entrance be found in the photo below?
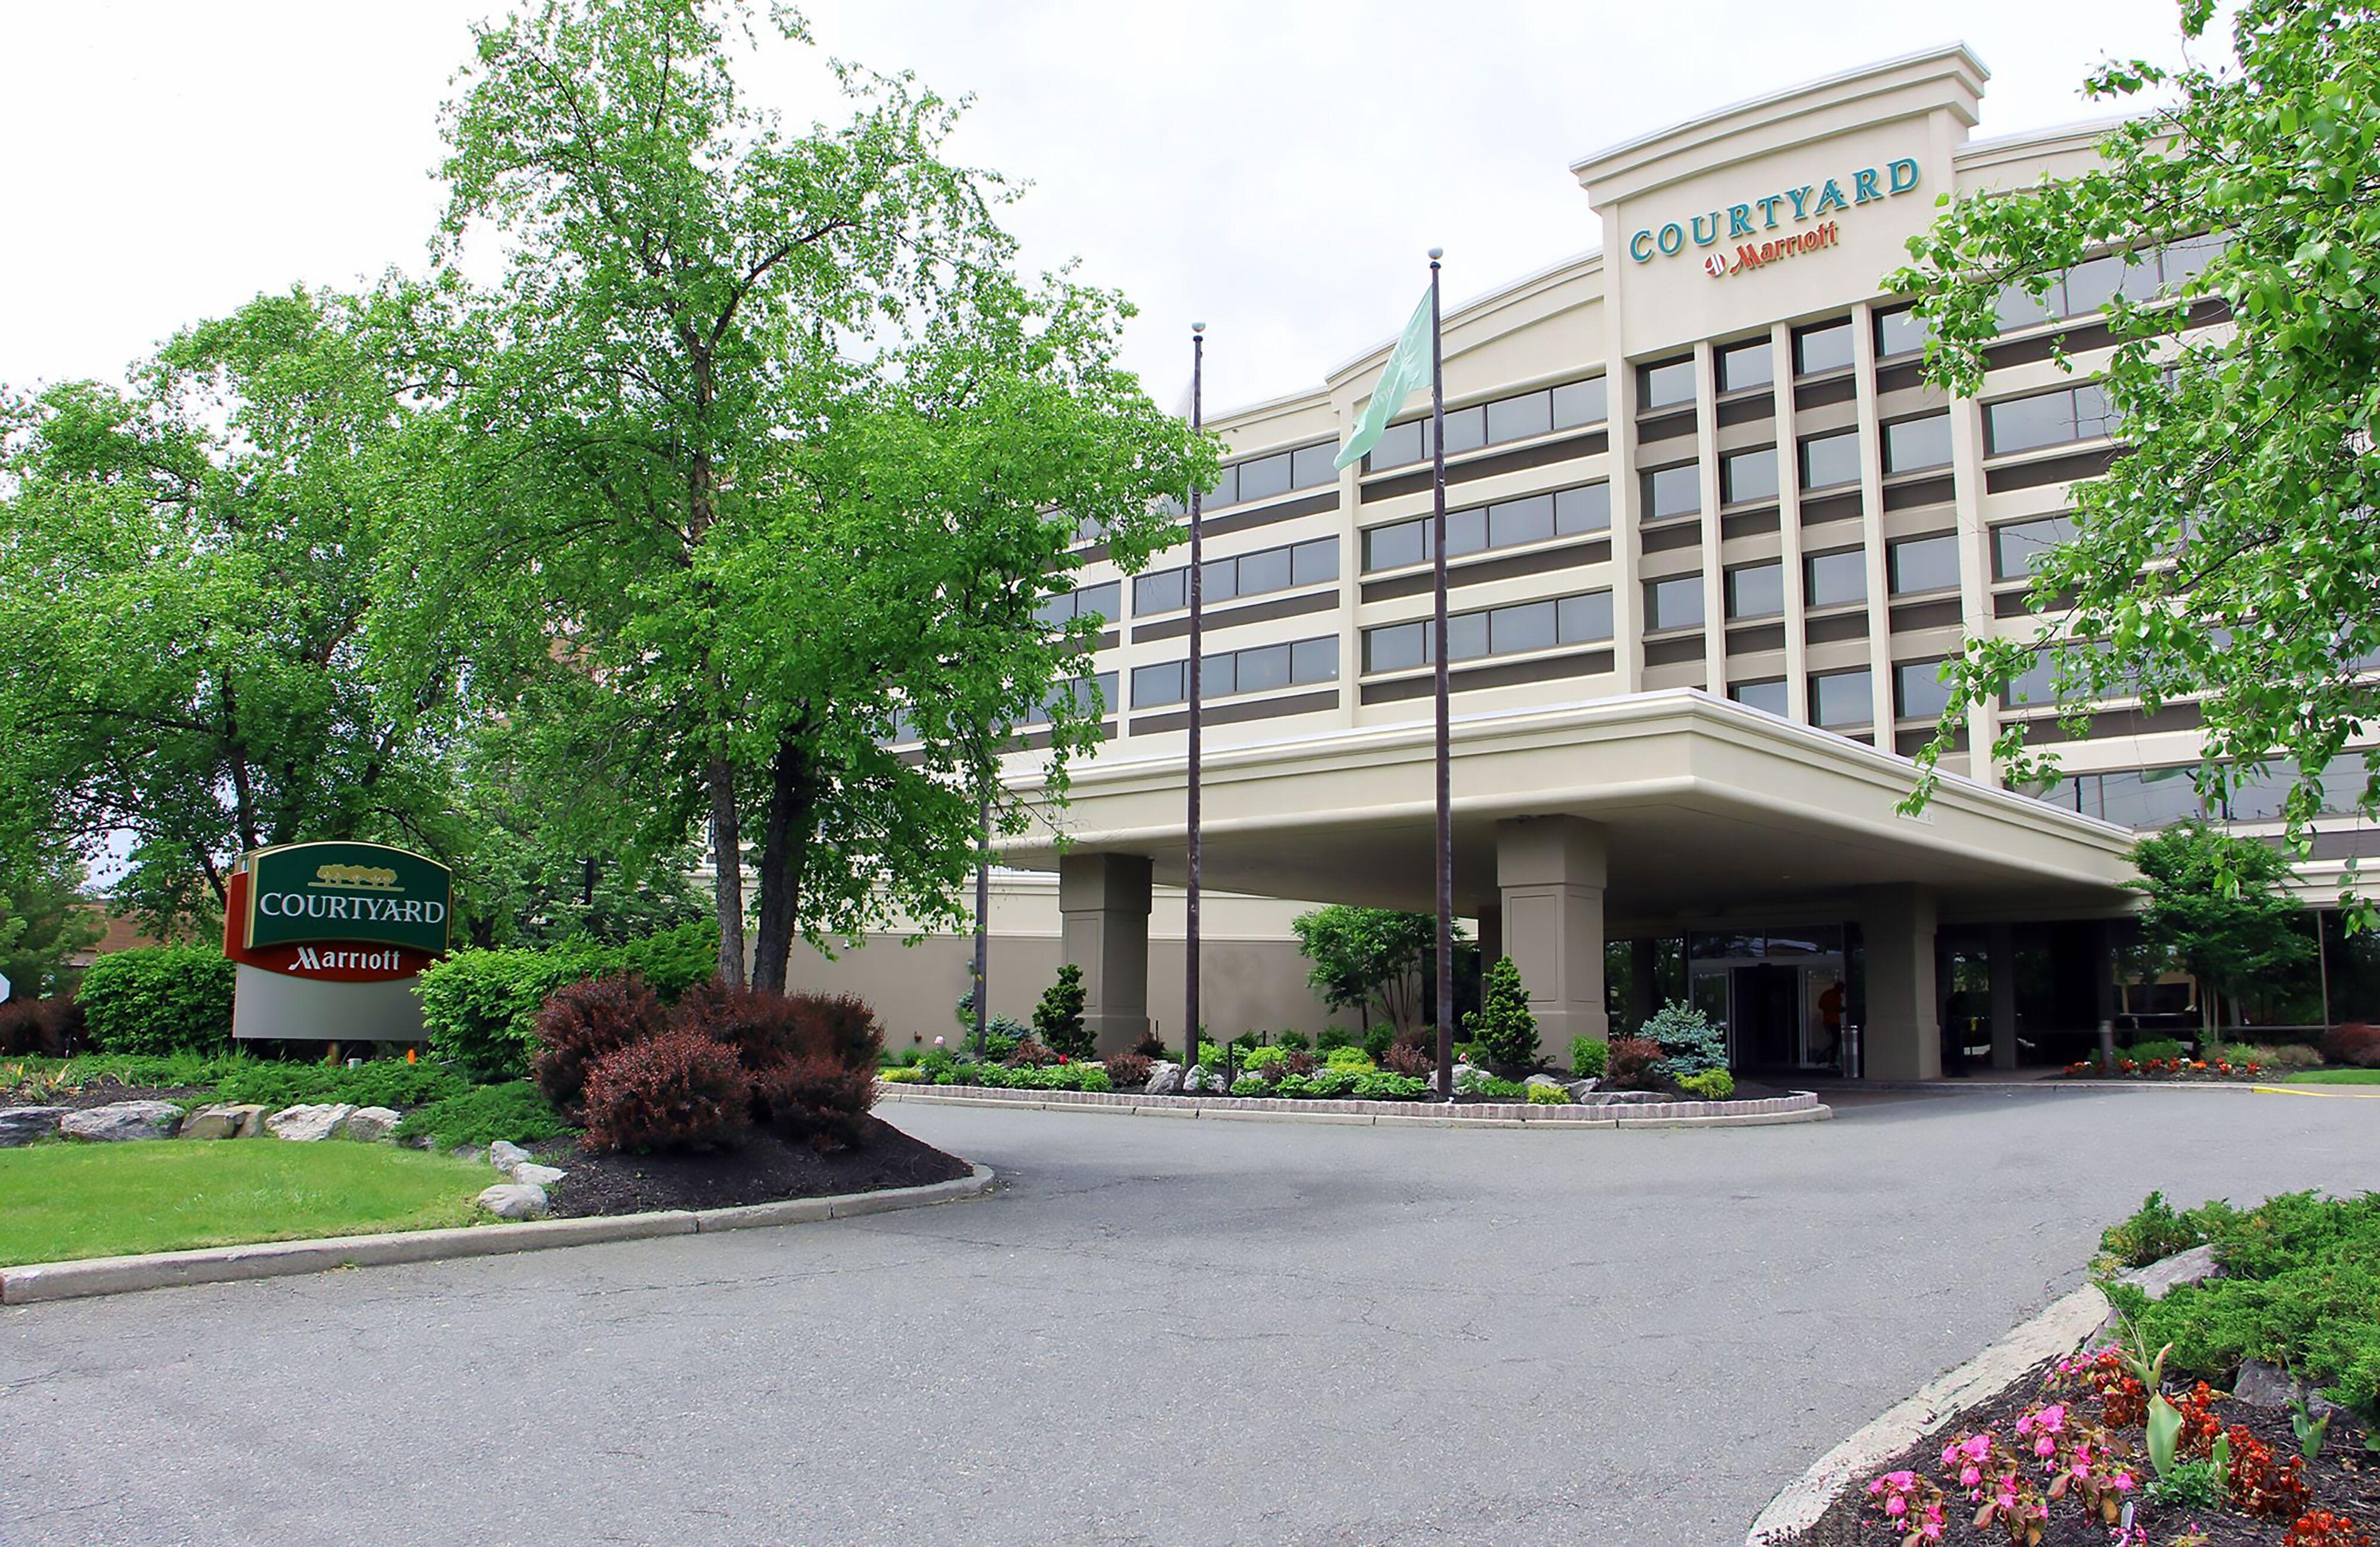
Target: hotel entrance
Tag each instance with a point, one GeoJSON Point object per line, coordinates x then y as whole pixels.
{"type": "Point", "coordinates": [1781, 994]}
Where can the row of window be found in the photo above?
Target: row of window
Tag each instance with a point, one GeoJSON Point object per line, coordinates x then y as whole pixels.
{"type": "Point", "coordinates": [1311, 562]}
{"type": "Point", "coordinates": [1841, 699]}
{"type": "Point", "coordinates": [1506, 524]}
{"type": "Point", "coordinates": [2075, 413]}
{"type": "Point", "coordinates": [1827, 461]}
{"type": "Point", "coordinates": [1257, 669]}
{"type": "Point", "coordinates": [1103, 601]}
{"type": "Point", "coordinates": [2089, 285]}
{"type": "Point", "coordinates": [1818, 350]}
{"type": "Point", "coordinates": [1090, 695]}
{"type": "Point", "coordinates": [2155, 797]}
{"type": "Point", "coordinates": [1263, 477]}
{"type": "Point", "coordinates": [1572, 406]}
{"type": "Point", "coordinates": [1913, 567]}
{"type": "Point", "coordinates": [1525, 626]}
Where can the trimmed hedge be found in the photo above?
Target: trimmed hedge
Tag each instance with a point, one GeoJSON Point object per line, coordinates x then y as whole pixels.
{"type": "Point", "coordinates": [479, 1008]}
{"type": "Point", "coordinates": [159, 999]}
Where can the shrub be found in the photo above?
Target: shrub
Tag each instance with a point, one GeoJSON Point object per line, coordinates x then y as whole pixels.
{"type": "Point", "coordinates": [819, 1098]}
{"type": "Point", "coordinates": [46, 1027]}
{"type": "Point", "coordinates": [1548, 1095]}
{"type": "Point", "coordinates": [907, 1073]}
{"type": "Point", "coordinates": [2156, 1047]}
{"type": "Point", "coordinates": [479, 1114]}
{"type": "Point", "coordinates": [1059, 1017]}
{"type": "Point", "coordinates": [1587, 1056]}
{"type": "Point", "coordinates": [1633, 1063]}
{"type": "Point", "coordinates": [1383, 1086]}
{"type": "Point", "coordinates": [1296, 1042]}
{"type": "Point", "coordinates": [1332, 1039]}
{"type": "Point", "coordinates": [681, 1089]}
{"type": "Point", "coordinates": [383, 1082]}
{"type": "Point", "coordinates": [1503, 1026]}
{"type": "Point", "coordinates": [479, 1008]}
{"type": "Point", "coordinates": [159, 999]}
{"type": "Point", "coordinates": [1690, 1043]}
{"type": "Point", "coordinates": [1479, 1083]}
{"type": "Point", "coordinates": [810, 1059]}
{"type": "Point", "coordinates": [585, 1022]}
{"type": "Point", "coordinates": [2352, 1042]}
{"type": "Point", "coordinates": [1401, 1057]}
{"type": "Point", "coordinates": [1128, 1069]}
{"type": "Point", "coordinates": [2156, 1231]}
{"type": "Point", "coordinates": [1347, 1056]}
{"type": "Point", "coordinates": [1031, 1054]}
{"type": "Point", "coordinates": [1711, 1084]}
{"type": "Point", "coordinates": [1332, 1081]}
{"type": "Point", "coordinates": [1377, 1040]}
{"type": "Point", "coordinates": [1148, 1044]}
{"type": "Point", "coordinates": [2272, 1056]}
{"type": "Point", "coordinates": [1264, 1057]}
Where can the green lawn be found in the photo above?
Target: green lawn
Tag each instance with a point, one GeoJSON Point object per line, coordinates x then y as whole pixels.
{"type": "Point", "coordinates": [2335, 1076]}
{"type": "Point", "coordinates": [60, 1201]}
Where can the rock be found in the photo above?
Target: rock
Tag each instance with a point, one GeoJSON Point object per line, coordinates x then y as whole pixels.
{"type": "Point", "coordinates": [308, 1122]}
{"type": "Point", "coordinates": [2172, 1273]}
{"type": "Point", "coordinates": [504, 1155]}
{"type": "Point", "coordinates": [224, 1120]}
{"type": "Point", "coordinates": [1251, 1083]}
{"type": "Point", "coordinates": [1581, 1089]}
{"type": "Point", "coordinates": [2268, 1385]}
{"type": "Point", "coordinates": [22, 1125]}
{"type": "Point", "coordinates": [531, 1174]}
{"type": "Point", "coordinates": [122, 1120]}
{"type": "Point", "coordinates": [1198, 1081]}
{"type": "Point", "coordinates": [1164, 1079]}
{"type": "Point", "coordinates": [1634, 1098]}
{"type": "Point", "coordinates": [514, 1200]}
{"type": "Point", "coordinates": [1548, 1081]}
{"type": "Point", "coordinates": [367, 1125]}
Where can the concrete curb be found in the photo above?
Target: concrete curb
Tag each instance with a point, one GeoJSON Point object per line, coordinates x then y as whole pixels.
{"type": "Point", "coordinates": [119, 1275]}
{"type": "Point", "coordinates": [1801, 1107]}
{"type": "Point", "coordinates": [2058, 1330]}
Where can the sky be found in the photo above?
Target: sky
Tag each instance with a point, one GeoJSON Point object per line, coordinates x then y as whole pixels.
{"type": "Point", "coordinates": [1276, 170]}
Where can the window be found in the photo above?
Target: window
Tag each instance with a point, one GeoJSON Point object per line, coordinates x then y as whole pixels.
{"type": "Point", "coordinates": [1262, 477]}
{"type": "Point", "coordinates": [1827, 347]}
{"type": "Point", "coordinates": [1745, 365]}
{"type": "Point", "coordinates": [1748, 475]}
{"type": "Point", "coordinates": [1526, 625]}
{"type": "Point", "coordinates": [1672, 490]}
{"type": "Point", "coordinates": [1310, 465]}
{"type": "Point", "coordinates": [1834, 580]}
{"type": "Point", "coordinates": [1518, 418]}
{"type": "Point", "coordinates": [2036, 687]}
{"type": "Point", "coordinates": [1755, 590]}
{"type": "Point", "coordinates": [1091, 695]}
{"type": "Point", "coordinates": [1666, 385]}
{"type": "Point", "coordinates": [1104, 600]}
{"type": "Point", "coordinates": [1913, 444]}
{"type": "Point", "coordinates": [1587, 507]}
{"type": "Point", "coordinates": [1257, 669]}
{"type": "Point", "coordinates": [2089, 285]}
{"type": "Point", "coordinates": [1676, 602]}
{"type": "Point", "coordinates": [1769, 695]}
{"type": "Point", "coordinates": [2056, 418]}
{"type": "Point", "coordinates": [1226, 490]}
{"type": "Point", "coordinates": [1918, 690]}
{"type": "Point", "coordinates": [1922, 564]}
{"type": "Point", "coordinates": [1265, 477]}
{"type": "Point", "coordinates": [1258, 573]}
{"type": "Point", "coordinates": [1840, 699]}
{"type": "Point", "coordinates": [2019, 547]}
{"type": "Point", "coordinates": [1831, 461]}
{"type": "Point", "coordinates": [1505, 524]}
{"type": "Point", "coordinates": [1900, 332]}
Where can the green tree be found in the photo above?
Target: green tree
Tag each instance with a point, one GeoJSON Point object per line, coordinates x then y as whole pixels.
{"type": "Point", "coordinates": [189, 569]}
{"type": "Point", "coordinates": [1057, 1018]}
{"type": "Point", "coordinates": [1369, 959]}
{"type": "Point", "coordinates": [2219, 906]}
{"type": "Point", "coordinates": [1504, 1025]}
{"type": "Point", "coordinates": [44, 919]}
{"type": "Point", "coordinates": [774, 456]}
{"type": "Point", "coordinates": [2230, 551]}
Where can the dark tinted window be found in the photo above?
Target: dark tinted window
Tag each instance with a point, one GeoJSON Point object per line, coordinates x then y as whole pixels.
{"type": "Point", "coordinates": [1666, 385]}
{"type": "Point", "coordinates": [1747, 365]}
{"type": "Point", "coordinates": [1919, 690]}
{"type": "Point", "coordinates": [1396, 647]}
{"type": "Point", "coordinates": [1391, 547]}
{"type": "Point", "coordinates": [1579, 402]}
{"type": "Point", "coordinates": [1466, 635]}
{"type": "Point", "coordinates": [1512, 522]}
{"type": "Point", "coordinates": [1755, 590]}
{"type": "Point", "coordinates": [1585, 508]}
{"type": "Point", "coordinates": [1836, 579]}
{"type": "Point", "coordinates": [1399, 444]}
{"type": "Point", "coordinates": [1831, 461]}
{"type": "Point", "coordinates": [1164, 592]}
{"type": "Point", "coordinates": [1313, 563]}
{"type": "Point", "coordinates": [1466, 429]}
{"type": "Point", "coordinates": [1315, 659]}
{"type": "Point", "coordinates": [1226, 490]}
{"type": "Point", "coordinates": [1823, 349]}
{"type": "Point", "coordinates": [1912, 443]}
{"type": "Point", "coordinates": [1748, 475]}
{"type": "Point", "coordinates": [1466, 531]}
{"type": "Point", "coordinates": [1310, 465]}
{"type": "Point", "coordinates": [1769, 695]}
{"type": "Point", "coordinates": [1265, 477]}
{"type": "Point", "coordinates": [1899, 333]}
{"type": "Point", "coordinates": [2046, 419]}
{"type": "Point", "coordinates": [1672, 490]}
{"type": "Point", "coordinates": [1840, 699]}
{"type": "Point", "coordinates": [1924, 563]}
{"type": "Point", "coordinates": [1676, 602]}
{"type": "Point", "coordinates": [1517, 418]}
{"type": "Point", "coordinates": [1585, 619]}
{"type": "Point", "coordinates": [1264, 667]}
{"type": "Point", "coordinates": [1528, 626]}
{"type": "Point", "coordinates": [1162, 683]}
{"type": "Point", "coordinates": [2018, 547]}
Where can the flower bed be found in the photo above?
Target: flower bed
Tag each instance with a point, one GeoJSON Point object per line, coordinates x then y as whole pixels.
{"type": "Point", "coordinates": [2166, 1068]}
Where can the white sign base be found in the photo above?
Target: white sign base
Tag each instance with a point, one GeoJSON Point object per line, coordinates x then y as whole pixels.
{"type": "Point", "coordinates": [304, 1009]}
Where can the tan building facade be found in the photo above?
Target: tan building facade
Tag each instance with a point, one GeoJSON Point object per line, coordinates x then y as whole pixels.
{"type": "Point", "coordinates": [1709, 537]}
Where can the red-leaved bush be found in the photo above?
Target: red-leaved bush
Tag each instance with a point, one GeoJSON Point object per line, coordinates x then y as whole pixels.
{"type": "Point", "coordinates": [2352, 1042]}
{"type": "Point", "coordinates": [1629, 1066]}
{"type": "Point", "coordinates": [582, 1024]}
{"type": "Point", "coordinates": [51, 1028]}
{"type": "Point", "coordinates": [1128, 1069]}
{"type": "Point", "coordinates": [811, 1057]}
{"type": "Point", "coordinates": [679, 1089]}
{"type": "Point", "coordinates": [816, 1098]}
{"type": "Point", "coordinates": [1403, 1057]}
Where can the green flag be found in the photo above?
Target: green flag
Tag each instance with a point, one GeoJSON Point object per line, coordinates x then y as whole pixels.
{"type": "Point", "coordinates": [1406, 373]}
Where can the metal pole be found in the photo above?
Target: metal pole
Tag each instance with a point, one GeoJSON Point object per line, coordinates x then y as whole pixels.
{"type": "Point", "coordinates": [1438, 653]}
{"type": "Point", "coordinates": [982, 921]}
{"type": "Point", "coordinates": [1194, 684]}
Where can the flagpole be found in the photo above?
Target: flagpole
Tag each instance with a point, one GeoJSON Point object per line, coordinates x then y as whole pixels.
{"type": "Point", "coordinates": [1438, 653]}
{"type": "Point", "coordinates": [1197, 646]}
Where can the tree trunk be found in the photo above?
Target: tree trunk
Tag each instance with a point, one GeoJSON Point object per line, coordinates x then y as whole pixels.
{"type": "Point", "coordinates": [727, 860]}
{"type": "Point", "coordinates": [784, 851]}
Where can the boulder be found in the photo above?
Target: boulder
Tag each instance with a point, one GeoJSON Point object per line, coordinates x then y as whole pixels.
{"type": "Point", "coordinates": [306, 1122]}
{"type": "Point", "coordinates": [1581, 1089]}
{"type": "Point", "coordinates": [1199, 1083]}
{"type": "Point", "coordinates": [1164, 1079]}
{"type": "Point", "coordinates": [1548, 1081]}
{"type": "Point", "coordinates": [504, 1155]}
{"type": "Point", "coordinates": [530, 1173]}
{"type": "Point", "coordinates": [224, 1120]}
{"type": "Point", "coordinates": [368, 1125]}
{"type": "Point", "coordinates": [22, 1125]}
{"type": "Point", "coordinates": [122, 1120]}
{"type": "Point", "coordinates": [2268, 1385]}
{"type": "Point", "coordinates": [2172, 1273]}
{"type": "Point", "coordinates": [514, 1201]}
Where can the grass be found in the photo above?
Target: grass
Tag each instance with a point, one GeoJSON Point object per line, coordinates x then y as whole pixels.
{"type": "Point", "coordinates": [2334, 1077]}
{"type": "Point", "coordinates": [62, 1200]}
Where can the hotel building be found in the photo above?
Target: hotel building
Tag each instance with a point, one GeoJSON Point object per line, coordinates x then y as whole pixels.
{"type": "Point", "coordinates": [1710, 535]}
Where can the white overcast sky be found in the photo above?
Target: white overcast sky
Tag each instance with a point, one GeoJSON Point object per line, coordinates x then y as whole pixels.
{"type": "Point", "coordinates": [1276, 169]}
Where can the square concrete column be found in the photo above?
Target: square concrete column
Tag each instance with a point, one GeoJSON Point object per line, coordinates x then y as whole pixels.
{"type": "Point", "coordinates": [1550, 871]}
{"type": "Point", "coordinates": [1103, 910]}
{"type": "Point", "coordinates": [1902, 1038]}
{"type": "Point", "coordinates": [2001, 943]}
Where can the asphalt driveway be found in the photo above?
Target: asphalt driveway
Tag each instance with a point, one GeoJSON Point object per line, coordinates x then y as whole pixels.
{"type": "Point", "coordinates": [1155, 1331]}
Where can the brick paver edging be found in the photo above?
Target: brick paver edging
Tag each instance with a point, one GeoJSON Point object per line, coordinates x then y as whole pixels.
{"type": "Point", "coordinates": [1799, 1107]}
{"type": "Point", "coordinates": [160, 1270]}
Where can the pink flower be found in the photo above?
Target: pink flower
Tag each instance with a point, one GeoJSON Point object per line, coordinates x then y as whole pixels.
{"type": "Point", "coordinates": [2044, 1446]}
{"type": "Point", "coordinates": [1875, 1487]}
{"type": "Point", "coordinates": [2052, 1418]}
{"type": "Point", "coordinates": [1950, 1452]}
{"type": "Point", "coordinates": [1970, 1475]}
{"type": "Point", "coordinates": [1896, 1506]}
{"type": "Point", "coordinates": [938, 1042]}
{"type": "Point", "coordinates": [2121, 1482]}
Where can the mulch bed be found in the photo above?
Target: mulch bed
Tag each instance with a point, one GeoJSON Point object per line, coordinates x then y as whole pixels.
{"type": "Point", "coordinates": [762, 1169]}
{"type": "Point", "coordinates": [105, 1092]}
{"type": "Point", "coordinates": [2345, 1481]}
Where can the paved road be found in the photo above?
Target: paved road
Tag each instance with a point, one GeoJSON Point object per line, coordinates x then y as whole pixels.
{"type": "Point", "coordinates": [1154, 1333]}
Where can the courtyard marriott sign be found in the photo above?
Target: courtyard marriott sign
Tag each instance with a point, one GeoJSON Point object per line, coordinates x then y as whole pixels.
{"type": "Point", "coordinates": [329, 937]}
{"type": "Point", "coordinates": [1755, 217]}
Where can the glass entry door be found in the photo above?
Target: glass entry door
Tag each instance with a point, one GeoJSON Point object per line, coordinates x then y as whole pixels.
{"type": "Point", "coordinates": [1779, 992]}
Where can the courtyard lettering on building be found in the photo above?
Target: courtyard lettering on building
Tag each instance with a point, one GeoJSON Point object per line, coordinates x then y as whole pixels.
{"type": "Point", "coordinates": [1810, 201]}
